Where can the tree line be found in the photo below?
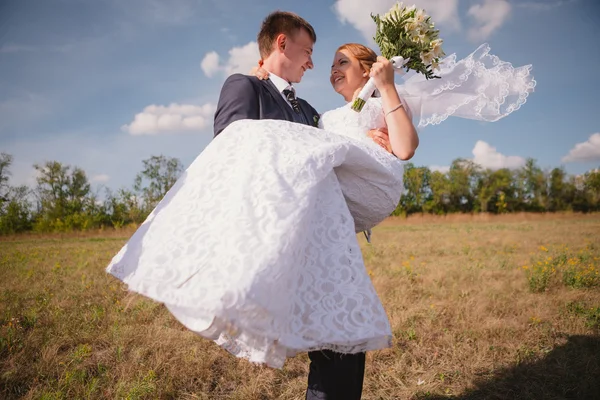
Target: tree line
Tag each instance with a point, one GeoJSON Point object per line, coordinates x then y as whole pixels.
{"type": "Point", "coordinates": [63, 199]}
{"type": "Point", "coordinates": [469, 188]}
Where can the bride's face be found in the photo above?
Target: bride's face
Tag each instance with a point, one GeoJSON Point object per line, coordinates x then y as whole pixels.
{"type": "Point", "coordinates": [347, 75]}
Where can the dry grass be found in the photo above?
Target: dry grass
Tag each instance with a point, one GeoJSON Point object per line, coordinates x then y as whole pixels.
{"type": "Point", "coordinates": [468, 322]}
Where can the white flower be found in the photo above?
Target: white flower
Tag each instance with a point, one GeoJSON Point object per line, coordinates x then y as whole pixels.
{"type": "Point", "coordinates": [415, 25]}
{"type": "Point", "coordinates": [427, 58]}
{"type": "Point", "coordinates": [419, 37]}
{"type": "Point", "coordinates": [413, 28]}
{"type": "Point", "coordinates": [436, 48]}
{"type": "Point", "coordinates": [420, 16]}
{"type": "Point", "coordinates": [435, 65]}
{"type": "Point", "coordinates": [418, 24]}
{"type": "Point", "coordinates": [395, 12]}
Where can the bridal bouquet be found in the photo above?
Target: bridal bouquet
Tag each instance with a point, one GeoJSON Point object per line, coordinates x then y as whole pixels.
{"type": "Point", "coordinates": [406, 36]}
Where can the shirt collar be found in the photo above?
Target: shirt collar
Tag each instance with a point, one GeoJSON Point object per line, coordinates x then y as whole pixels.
{"type": "Point", "coordinates": [280, 83]}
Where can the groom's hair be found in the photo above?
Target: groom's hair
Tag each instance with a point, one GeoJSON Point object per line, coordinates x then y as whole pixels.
{"type": "Point", "coordinates": [279, 22]}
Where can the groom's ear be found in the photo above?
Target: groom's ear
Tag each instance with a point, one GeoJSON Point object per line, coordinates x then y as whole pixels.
{"type": "Point", "coordinates": [281, 41]}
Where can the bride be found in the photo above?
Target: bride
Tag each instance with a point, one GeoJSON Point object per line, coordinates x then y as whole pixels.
{"type": "Point", "coordinates": [255, 246]}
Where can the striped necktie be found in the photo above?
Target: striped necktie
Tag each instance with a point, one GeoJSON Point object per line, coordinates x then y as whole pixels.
{"type": "Point", "coordinates": [290, 94]}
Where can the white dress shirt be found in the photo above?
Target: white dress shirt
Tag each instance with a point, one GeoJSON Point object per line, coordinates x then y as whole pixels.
{"type": "Point", "coordinates": [281, 84]}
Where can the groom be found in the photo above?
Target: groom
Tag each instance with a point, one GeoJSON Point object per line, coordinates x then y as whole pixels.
{"type": "Point", "coordinates": [285, 43]}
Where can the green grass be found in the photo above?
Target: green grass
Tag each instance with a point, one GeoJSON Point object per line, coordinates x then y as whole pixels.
{"type": "Point", "coordinates": [469, 321]}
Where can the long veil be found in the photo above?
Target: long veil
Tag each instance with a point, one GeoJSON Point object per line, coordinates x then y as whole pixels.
{"type": "Point", "coordinates": [480, 87]}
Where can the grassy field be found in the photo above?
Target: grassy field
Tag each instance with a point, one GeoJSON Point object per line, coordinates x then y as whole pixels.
{"type": "Point", "coordinates": [481, 308]}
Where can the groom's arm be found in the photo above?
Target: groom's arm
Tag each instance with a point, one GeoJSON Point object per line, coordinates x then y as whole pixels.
{"type": "Point", "coordinates": [238, 100]}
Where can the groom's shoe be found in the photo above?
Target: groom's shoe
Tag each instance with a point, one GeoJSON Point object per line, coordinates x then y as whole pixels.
{"type": "Point", "coordinates": [368, 235]}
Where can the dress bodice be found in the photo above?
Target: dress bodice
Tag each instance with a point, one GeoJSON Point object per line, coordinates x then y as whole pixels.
{"type": "Point", "coordinates": [347, 122]}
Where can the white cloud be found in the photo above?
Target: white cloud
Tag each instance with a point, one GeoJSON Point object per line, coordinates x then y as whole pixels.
{"type": "Point", "coordinates": [488, 17]}
{"type": "Point", "coordinates": [439, 168]}
{"type": "Point", "coordinates": [488, 157]}
{"type": "Point", "coordinates": [210, 64]}
{"type": "Point", "coordinates": [585, 151]}
{"type": "Point", "coordinates": [241, 60]}
{"type": "Point", "coordinates": [358, 13]}
{"type": "Point", "coordinates": [156, 119]}
{"type": "Point", "coordinates": [101, 178]}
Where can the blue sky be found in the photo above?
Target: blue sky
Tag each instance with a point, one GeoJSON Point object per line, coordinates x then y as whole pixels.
{"type": "Point", "coordinates": [83, 82]}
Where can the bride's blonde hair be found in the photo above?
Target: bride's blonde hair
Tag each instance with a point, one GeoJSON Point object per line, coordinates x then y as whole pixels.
{"type": "Point", "coordinates": [366, 56]}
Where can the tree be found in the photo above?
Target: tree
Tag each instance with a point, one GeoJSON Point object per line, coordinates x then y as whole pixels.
{"type": "Point", "coordinates": [16, 215]}
{"type": "Point", "coordinates": [591, 184]}
{"type": "Point", "coordinates": [416, 188]}
{"type": "Point", "coordinates": [15, 207]}
{"type": "Point", "coordinates": [51, 189]}
{"type": "Point", "coordinates": [438, 201]}
{"type": "Point", "coordinates": [463, 175]}
{"type": "Point", "coordinates": [64, 197]}
{"type": "Point", "coordinates": [5, 163]}
{"type": "Point", "coordinates": [494, 188]}
{"type": "Point", "coordinates": [78, 192]}
{"type": "Point", "coordinates": [560, 193]}
{"type": "Point", "coordinates": [123, 208]}
{"type": "Point", "coordinates": [532, 183]}
{"type": "Point", "coordinates": [159, 175]}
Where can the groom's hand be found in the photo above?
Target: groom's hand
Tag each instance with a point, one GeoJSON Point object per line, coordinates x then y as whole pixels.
{"type": "Point", "coordinates": [381, 137]}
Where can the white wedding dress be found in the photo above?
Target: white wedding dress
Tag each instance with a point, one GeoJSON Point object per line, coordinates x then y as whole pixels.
{"type": "Point", "coordinates": [255, 246]}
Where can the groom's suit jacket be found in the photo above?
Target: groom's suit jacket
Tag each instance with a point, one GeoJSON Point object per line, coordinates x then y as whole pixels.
{"type": "Point", "coordinates": [247, 97]}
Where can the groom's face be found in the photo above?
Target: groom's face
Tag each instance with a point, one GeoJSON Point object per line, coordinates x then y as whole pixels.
{"type": "Point", "coordinates": [298, 54]}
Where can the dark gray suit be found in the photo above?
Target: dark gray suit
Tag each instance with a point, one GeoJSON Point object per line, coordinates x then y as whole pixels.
{"type": "Point", "coordinates": [332, 376]}
{"type": "Point", "coordinates": [247, 97]}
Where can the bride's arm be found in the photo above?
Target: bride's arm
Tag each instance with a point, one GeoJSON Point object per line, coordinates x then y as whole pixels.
{"type": "Point", "coordinates": [402, 133]}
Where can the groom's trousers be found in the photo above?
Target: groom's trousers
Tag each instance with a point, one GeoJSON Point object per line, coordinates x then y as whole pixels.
{"type": "Point", "coordinates": [335, 376]}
